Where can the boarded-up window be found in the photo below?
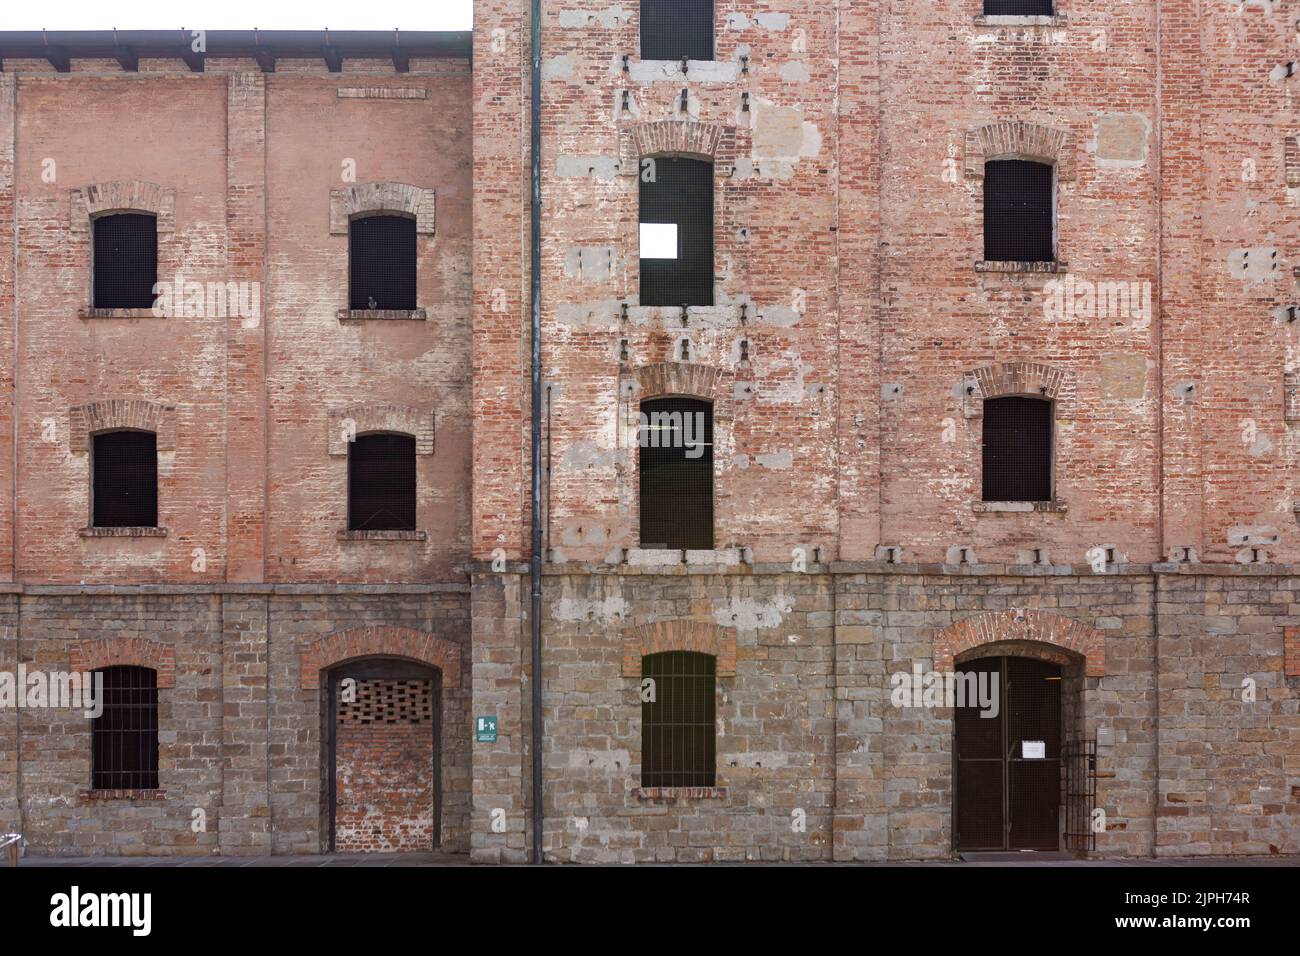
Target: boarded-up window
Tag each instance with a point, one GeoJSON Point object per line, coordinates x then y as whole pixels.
{"type": "Point", "coordinates": [125, 257]}
{"type": "Point", "coordinates": [676, 231]}
{"type": "Point", "coordinates": [124, 737]}
{"type": "Point", "coordinates": [1018, 211]}
{"type": "Point", "coordinates": [1017, 449]}
{"type": "Point", "coordinates": [381, 483]}
{"type": "Point", "coordinates": [124, 489]}
{"type": "Point", "coordinates": [381, 258]}
{"type": "Point", "coordinates": [678, 734]}
{"type": "Point", "coordinates": [676, 470]}
{"type": "Point", "coordinates": [677, 29]}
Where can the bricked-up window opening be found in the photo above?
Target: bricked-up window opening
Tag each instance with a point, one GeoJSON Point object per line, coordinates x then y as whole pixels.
{"type": "Point", "coordinates": [124, 737]}
{"type": "Point", "coordinates": [678, 733]}
{"type": "Point", "coordinates": [677, 29]}
{"type": "Point", "coordinates": [381, 259]}
{"type": "Point", "coordinates": [1018, 8]}
{"type": "Point", "coordinates": [677, 248]}
{"type": "Point", "coordinates": [124, 491]}
{"type": "Point", "coordinates": [1018, 211]}
{"type": "Point", "coordinates": [125, 258]}
{"type": "Point", "coordinates": [1017, 449]}
{"type": "Point", "coordinates": [676, 471]}
{"type": "Point", "coordinates": [381, 483]}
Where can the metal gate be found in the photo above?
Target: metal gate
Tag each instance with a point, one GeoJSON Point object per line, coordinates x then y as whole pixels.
{"type": "Point", "coordinates": [1007, 768]}
{"type": "Point", "coordinates": [1080, 795]}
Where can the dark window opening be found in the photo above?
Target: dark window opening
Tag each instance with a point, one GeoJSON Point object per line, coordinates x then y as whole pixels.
{"type": "Point", "coordinates": [678, 733]}
{"type": "Point", "coordinates": [677, 29]}
{"type": "Point", "coordinates": [381, 483]}
{"type": "Point", "coordinates": [676, 470]}
{"type": "Point", "coordinates": [1017, 449]}
{"type": "Point", "coordinates": [1018, 215]}
{"type": "Point", "coordinates": [1018, 8]}
{"type": "Point", "coordinates": [124, 493]}
{"type": "Point", "coordinates": [124, 737]}
{"type": "Point", "coordinates": [125, 257]}
{"type": "Point", "coordinates": [381, 260]}
{"type": "Point", "coordinates": [676, 231]}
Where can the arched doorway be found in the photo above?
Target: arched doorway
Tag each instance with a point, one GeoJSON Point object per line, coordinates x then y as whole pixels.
{"type": "Point", "coordinates": [1008, 758]}
{"type": "Point", "coordinates": [382, 733]}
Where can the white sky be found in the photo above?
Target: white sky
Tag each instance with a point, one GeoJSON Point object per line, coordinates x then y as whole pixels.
{"type": "Point", "coordinates": [239, 15]}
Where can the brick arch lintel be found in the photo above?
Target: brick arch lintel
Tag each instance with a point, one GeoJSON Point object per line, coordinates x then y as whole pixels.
{"type": "Point", "coordinates": [379, 641]}
{"type": "Point", "coordinates": [678, 635]}
{"type": "Point", "coordinates": [677, 378]}
{"type": "Point", "coordinates": [380, 417]}
{"type": "Point", "coordinates": [383, 197]}
{"type": "Point", "coordinates": [1019, 378]}
{"type": "Point", "coordinates": [715, 142]}
{"type": "Point", "coordinates": [119, 651]}
{"type": "Point", "coordinates": [115, 413]}
{"type": "Point", "coordinates": [132, 195]}
{"type": "Point", "coordinates": [1021, 624]}
{"type": "Point", "coordinates": [1020, 139]}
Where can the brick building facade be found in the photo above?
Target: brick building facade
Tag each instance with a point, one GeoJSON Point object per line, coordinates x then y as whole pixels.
{"type": "Point", "coordinates": [856, 340]}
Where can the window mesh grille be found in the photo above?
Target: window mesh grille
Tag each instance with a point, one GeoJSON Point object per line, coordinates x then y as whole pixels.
{"type": "Point", "coordinates": [381, 259]}
{"type": "Point", "coordinates": [125, 482]}
{"type": "Point", "coordinates": [681, 192]}
{"type": "Point", "coordinates": [1017, 449]}
{"type": "Point", "coordinates": [676, 488]}
{"type": "Point", "coordinates": [124, 737]}
{"type": "Point", "coordinates": [676, 29]}
{"type": "Point", "coordinates": [1018, 211]}
{"type": "Point", "coordinates": [125, 261]}
{"type": "Point", "coordinates": [1018, 8]}
{"type": "Point", "coordinates": [678, 734]}
{"type": "Point", "coordinates": [381, 483]}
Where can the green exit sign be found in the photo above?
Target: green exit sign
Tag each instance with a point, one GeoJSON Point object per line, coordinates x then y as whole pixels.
{"type": "Point", "coordinates": [485, 730]}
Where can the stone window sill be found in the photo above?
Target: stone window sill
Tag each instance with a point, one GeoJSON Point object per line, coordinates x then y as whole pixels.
{"type": "Point", "coordinates": [93, 313]}
{"type": "Point", "coordinates": [123, 795]}
{"type": "Point", "coordinates": [680, 793]}
{"type": "Point", "coordinates": [989, 507]}
{"type": "Point", "coordinates": [361, 315]}
{"type": "Point", "coordinates": [93, 532]}
{"type": "Point", "coordinates": [989, 265]}
{"type": "Point", "coordinates": [346, 535]}
{"type": "Point", "coordinates": [1055, 20]}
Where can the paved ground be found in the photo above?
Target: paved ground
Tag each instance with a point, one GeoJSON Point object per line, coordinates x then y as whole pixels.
{"type": "Point", "coordinates": [447, 859]}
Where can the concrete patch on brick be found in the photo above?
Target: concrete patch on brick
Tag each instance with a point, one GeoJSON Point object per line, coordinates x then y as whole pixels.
{"type": "Point", "coordinates": [1121, 140]}
{"type": "Point", "coordinates": [558, 68]}
{"type": "Point", "coordinates": [599, 760]}
{"type": "Point", "coordinates": [586, 454]}
{"type": "Point", "coordinates": [736, 21]}
{"type": "Point", "coordinates": [781, 133]}
{"type": "Point", "coordinates": [751, 759]}
{"type": "Point", "coordinates": [748, 614]}
{"type": "Point", "coordinates": [794, 72]}
{"type": "Point", "coordinates": [1258, 264]}
{"type": "Point", "coordinates": [608, 610]}
{"type": "Point", "coordinates": [586, 167]}
{"type": "Point", "coordinates": [601, 313]}
{"type": "Point", "coordinates": [740, 460]}
{"type": "Point", "coordinates": [781, 316]}
{"type": "Point", "coordinates": [591, 263]}
{"type": "Point", "coordinates": [609, 18]}
{"type": "Point", "coordinates": [1123, 376]}
{"type": "Point", "coordinates": [772, 21]}
{"type": "Point", "coordinates": [777, 460]}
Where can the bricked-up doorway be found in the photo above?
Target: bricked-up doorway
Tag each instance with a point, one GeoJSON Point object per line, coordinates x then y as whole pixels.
{"type": "Point", "coordinates": [1007, 768]}
{"type": "Point", "coordinates": [384, 777]}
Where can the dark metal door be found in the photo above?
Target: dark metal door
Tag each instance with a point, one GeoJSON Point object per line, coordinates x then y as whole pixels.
{"type": "Point", "coordinates": [1007, 768]}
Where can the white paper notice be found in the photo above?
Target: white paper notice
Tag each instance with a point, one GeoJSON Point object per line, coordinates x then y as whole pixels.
{"type": "Point", "coordinates": [658, 240]}
{"type": "Point", "coordinates": [1033, 749]}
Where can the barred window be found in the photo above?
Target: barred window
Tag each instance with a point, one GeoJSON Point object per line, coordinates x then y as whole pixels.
{"type": "Point", "coordinates": [678, 733]}
{"type": "Point", "coordinates": [381, 260]}
{"type": "Point", "coordinates": [1018, 8]}
{"type": "Point", "coordinates": [1018, 211]}
{"type": "Point", "coordinates": [676, 221]}
{"type": "Point", "coordinates": [1017, 449]}
{"type": "Point", "coordinates": [124, 737]}
{"type": "Point", "coordinates": [676, 472]}
{"type": "Point", "coordinates": [124, 489]}
{"type": "Point", "coordinates": [381, 483]}
{"type": "Point", "coordinates": [125, 259]}
{"type": "Point", "coordinates": [677, 29]}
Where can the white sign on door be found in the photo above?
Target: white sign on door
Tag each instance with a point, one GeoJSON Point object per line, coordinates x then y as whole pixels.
{"type": "Point", "coordinates": [1033, 749]}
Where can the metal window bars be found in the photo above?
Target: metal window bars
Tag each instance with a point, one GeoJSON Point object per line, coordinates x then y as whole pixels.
{"type": "Point", "coordinates": [677, 29]}
{"type": "Point", "coordinates": [124, 737]}
{"type": "Point", "coordinates": [125, 260]}
{"type": "Point", "coordinates": [678, 730]}
{"type": "Point", "coordinates": [679, 191]}
{"type": "Point", "coordinates": [1018, 211]}
{"type": "Point", "coordinates": [381, 263]}
{"type": "Point", "coordinates": [676, 473]}
{"type": "Point", "coordinates": [1017, 449]}
{"type": "Point", "coordinates": [381, 483]}
{"type": "Point", "coordinates": [124, 466]}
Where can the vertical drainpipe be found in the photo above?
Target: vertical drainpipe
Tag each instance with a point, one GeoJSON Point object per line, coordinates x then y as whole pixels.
{"type": "Point", "coordinates": [535, 295]}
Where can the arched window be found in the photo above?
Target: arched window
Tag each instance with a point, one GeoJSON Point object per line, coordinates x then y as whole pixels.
{"type": "Point", "coordinates": [1017, 449]}
{"type": "Point", "coordinates": [124, 482]}
{"type": "Point", "coordinates": [125, 257]}
{"type": "Point", "coordinates": [678, 730]}
{"type": "Point", "coordinates": [381, 261]}
{"type": "Point", "coordinates": [676, 221]}
{"type": "Point", "coordinates": [677, 29]}
{"type": "Point", "coordinates": [676, 472]}
{"type": "Point", "coordinates": [1019, 211]}
{"type": "Point", "coordinates": [124, 737]}
{"type": "Point", "coordinates": [381, 483]}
